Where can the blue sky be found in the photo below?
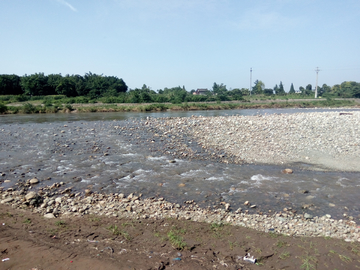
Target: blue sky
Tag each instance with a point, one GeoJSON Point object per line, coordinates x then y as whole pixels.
{"type": "Point", "coordinates": [167, 43]}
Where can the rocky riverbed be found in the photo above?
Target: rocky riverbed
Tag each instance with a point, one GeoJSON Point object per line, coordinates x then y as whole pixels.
{"type": "Point", "coordinates": [319, 141]}
{"type": "Point", "coordinates": [57, 201]}
{"type": "Point", "coordinates": [327, 140]}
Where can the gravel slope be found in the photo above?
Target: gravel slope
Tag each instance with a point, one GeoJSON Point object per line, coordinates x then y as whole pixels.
{"type": "Point", "coordinates": [327, 140]}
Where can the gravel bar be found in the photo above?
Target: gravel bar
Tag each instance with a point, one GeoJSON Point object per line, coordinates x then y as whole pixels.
{"type": "Point", "coordinates": [325, 140]}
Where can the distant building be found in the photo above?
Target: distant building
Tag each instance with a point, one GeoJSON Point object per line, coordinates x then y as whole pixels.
{"type": "Point", "coordinates": [201, 91]}
{"type": "Point", "coordinates": [297, 92]}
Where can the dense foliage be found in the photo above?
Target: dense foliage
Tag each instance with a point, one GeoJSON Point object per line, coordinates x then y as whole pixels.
{"type": "Point", "coordinates": [38, 84]}
{"type": "Point", "coordinates": [91, 88]}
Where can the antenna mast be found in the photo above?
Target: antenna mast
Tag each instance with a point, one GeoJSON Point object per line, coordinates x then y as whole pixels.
{"type": "Point", "coordinates": [317, 75]}
{"type": "Point", "coordinates": [250, 80]}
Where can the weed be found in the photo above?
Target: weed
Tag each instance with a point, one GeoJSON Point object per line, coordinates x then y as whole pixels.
{"type": "Point", "coordinates": [345, 258]}
{"type": "Point", "coordinates": [127, 224]}
{"type": "Point", "coordinates": [27, 221]}
{"type": "Point", "coordinates": [115, 230]}
{"type": "Point", "coordinates": [60, 223]}
{"type": "Point", "coordinates": [280, 244]}
{"type": "Point", "coordinates": [53, 231]}
{"type": "Point", "coordinates": [94, 219]}
{"type": "Point", "coordinates": [273, 235]}
{"type": "Point", "coordinates": [7, 214]}
{"type": "Point", "coordinates": [216, 226]}
{"type": "Point", "coordinates": [176, 240]}
{"type": "Point", "coordinates": [284, 255]}
{"type": "Point", "coordinates": [157, 234]}
{"type": "Point", "coordinates": [232, 245]}
{"type": "Point", "coordinates": [308, 263]}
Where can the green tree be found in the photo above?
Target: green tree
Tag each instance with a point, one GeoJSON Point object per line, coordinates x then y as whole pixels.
{"type": "Point", "coordinates": [292, 90]}
{"type": "Point", "coordinates": [325, 90]}
{"type": "Point", "coordinates": [302, 90]}
{"type": "Point", "coordinates": [280, 90]}
{"type": "Point", "coordinates": [35, 85]}
{"type": "Point", "coordinates": [235, 94]}
{"type": "Point", "coordinates": [308, 90]}
{"type": "Point", "coordinates": [66, 87]}
{"type": "Point", "coordinates": [10, 85]}
{"type": "Point", "coordinates": [258, 88]}
{"type": "Point", "coordinates": [219, 89]}
{"type": "Point", "coordinates": [268, 91]}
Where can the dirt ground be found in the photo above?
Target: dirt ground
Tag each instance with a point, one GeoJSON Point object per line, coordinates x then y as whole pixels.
{"type": "Point", "coordinates": [30, 241]}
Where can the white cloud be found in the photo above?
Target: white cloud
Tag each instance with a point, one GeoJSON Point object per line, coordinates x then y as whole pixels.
{"type": "Point", "coordinates": [63, 2]}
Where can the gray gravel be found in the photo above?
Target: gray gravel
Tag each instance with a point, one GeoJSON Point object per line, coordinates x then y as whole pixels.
{"type": "Point", "coordinates": [327, 140]}
{"type": "Point", "coordinates": [57, 201]}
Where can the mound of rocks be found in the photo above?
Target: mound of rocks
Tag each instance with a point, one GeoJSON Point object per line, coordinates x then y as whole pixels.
{"type": "Point", "coordinates": [328, 140]}
{"type": "Point", "coordinates": [52, 202]}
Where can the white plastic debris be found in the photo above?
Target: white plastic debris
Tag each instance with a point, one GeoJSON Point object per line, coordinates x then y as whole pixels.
{"type": "Point", "coordinates": [249, 259]}
{"type": "Point", "coordinates": [6, 259]}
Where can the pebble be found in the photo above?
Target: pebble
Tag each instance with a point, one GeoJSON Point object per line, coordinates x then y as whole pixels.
{"type": "Point", "coordinates": [287, 171]}
{"type": "Point", "coordinates": [7, 200]}
{"type": "Point", "coordinates": [34, 181]}
{"type": "Point", "coordinates": [30, 195]}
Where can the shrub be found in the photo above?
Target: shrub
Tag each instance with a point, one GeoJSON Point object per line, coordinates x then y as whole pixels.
{"type": "Point", "coordinates": [3, 108]}
{"type": "Point", "coordinates": [28, 108]}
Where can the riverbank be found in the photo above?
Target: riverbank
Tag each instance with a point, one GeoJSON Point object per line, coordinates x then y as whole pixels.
{"type": "Point", "coordinates": [120, 231]}
{"type": "Point", "coordinates": [37, 107]}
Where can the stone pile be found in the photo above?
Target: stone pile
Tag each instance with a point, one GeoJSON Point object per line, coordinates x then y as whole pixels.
{"type": "Point", "coordinates": [329, 140]}
{"type": "Point", "coordinates": [54, 203]}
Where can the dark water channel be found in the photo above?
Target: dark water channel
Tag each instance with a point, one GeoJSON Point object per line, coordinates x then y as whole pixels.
{"type": "Point", "coordinates": [86, 151]}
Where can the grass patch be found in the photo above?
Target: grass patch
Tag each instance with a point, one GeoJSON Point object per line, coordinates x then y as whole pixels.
{"type": "Point", "coordinates": [308, 263]}
{"type": "Point", "coordinates": [284, 255]}
{"type": "Point", "coordinates": [94, 219]}
{"type": "Point", "coordinates": [27, 221]}
{"type": "Point", "coordinates": [114, 229]}
{"type": "Point", "coordinates": [280, 244]}
{"type": "Point", "coordinates": [232, 245]}
{"type": "Point", "coordinates": [176, 240]}
{"type": "Point", "coordinates": [60, 223]}
{"type": "Point", "coordinates": [7, 214]}
{"type": "Point", "coordinates": [273, 235]}
{"type": "Point", "coordinates": [345, 258]}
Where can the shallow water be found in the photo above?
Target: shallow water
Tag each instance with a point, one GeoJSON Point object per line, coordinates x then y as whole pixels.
{"type": "Point", "coordinates": [84, 152]}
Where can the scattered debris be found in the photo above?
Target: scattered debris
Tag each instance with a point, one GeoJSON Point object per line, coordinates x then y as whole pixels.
{"type": "Point", "coordinates": [249, 259]}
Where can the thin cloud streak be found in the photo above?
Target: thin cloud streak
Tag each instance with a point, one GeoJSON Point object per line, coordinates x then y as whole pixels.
{"type": "Point", "coordinates": [63, 2]}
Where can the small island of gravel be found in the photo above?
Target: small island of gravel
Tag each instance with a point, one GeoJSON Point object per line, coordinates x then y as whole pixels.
{"type": "Point", "coordinates": [326, 140]}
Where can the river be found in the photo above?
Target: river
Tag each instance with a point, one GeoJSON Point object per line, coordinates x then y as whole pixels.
{"type": "Point", "coordinates": [86, 151]}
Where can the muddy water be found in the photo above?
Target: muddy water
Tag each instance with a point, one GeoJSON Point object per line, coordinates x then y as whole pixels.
{"type": "Point", "coordinates": [86, 151]}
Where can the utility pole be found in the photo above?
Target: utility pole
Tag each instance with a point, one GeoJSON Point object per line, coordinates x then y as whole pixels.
{"type": "Point", "coordinates": [250, 80]}
{"type": "Point", "coordinates": [317, 75]}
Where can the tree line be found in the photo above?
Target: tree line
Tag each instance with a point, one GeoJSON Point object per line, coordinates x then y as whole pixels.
{"type": "Point", "coordinates": [347, 89]}
{"type": "Point", "coordinates": [38, 84]}
{"type": "Point", "coordinates": [110, 89]}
